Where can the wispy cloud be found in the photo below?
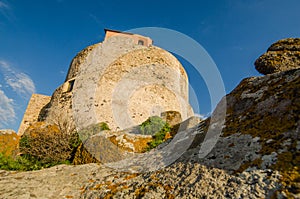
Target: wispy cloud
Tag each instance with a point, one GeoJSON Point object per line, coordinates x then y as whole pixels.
{"type": "Point", "coordinates": [15, 84]}
{"type": "Point", "coordinates": [7, 112]}
{"type": "Point", "coordinates": [6, 11]}
{"type": "Point", "coordinates": [3, 5]}
{"type": "Point", "coordinates": [20, 83]}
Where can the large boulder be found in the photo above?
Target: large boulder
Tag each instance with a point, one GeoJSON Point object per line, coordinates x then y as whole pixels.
{"type": "Point", "coordinates": [280, 56]}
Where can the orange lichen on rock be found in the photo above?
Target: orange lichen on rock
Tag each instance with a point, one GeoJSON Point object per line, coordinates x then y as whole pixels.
{"type": "Point", "coordinates": [9, 142]}
{"type": "Point", "coordinates": [131, 143]}
{"type": "Point", "coordinates": [282, 55]}
{"type": "Point", "coordinates": [82, 156]}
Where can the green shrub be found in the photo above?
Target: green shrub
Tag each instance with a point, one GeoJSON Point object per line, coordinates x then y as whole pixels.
{"type": "Point", "coordinates": [156, 127]}
{"type": "Point", "coordinates": [152, 125]}
{"type": "Point", "coordinates": [24, 163]}
{"type": "Point", "coordinates": [104, 126]}
{"type": "Point", "coordinates": [91, 130]}
{"type": "Point", "coordinates": [158, 138]}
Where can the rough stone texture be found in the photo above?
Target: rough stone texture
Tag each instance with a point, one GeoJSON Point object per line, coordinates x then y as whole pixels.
{"type": "Point", "coordinates": [9, 142]}
{"type": "Point", "coordinates": [120, 144]}
{"type": "Point", "coordinates": [103, 149]}
{"type": "Point", "coordinates": [36, 103]}
{"type": "Point", "coordinates": [189, 123]}
{"type": "Point", "coordinates": [83, 156]}
{"type": "Point", "coordinates": [185, 181]}
{"type": "Point", "coordinates": [122, 150]}
{"type": "Point", "coordinates": [128, 141]}
{"type": "Point", "coordinates": [59, 108]}
{"type": "Point", "coordinates": [178, 181]}
{"type": "Point", "coordinates": [96, 141]}
{"type": "Point", "coordinates": [134, 82]}
{"type": "Point", "coordinates": [261, 130]}
{"type": "Point", "coordinates": [77, 61]}
{"type": "Point", "coordinates": [282, 55]}
{"type": "Point", "coordinates": [257, 155]}
{"type": "Point", "coordinates": [171, 117]}
{"type": "Point", "coordinates": [120, 83]}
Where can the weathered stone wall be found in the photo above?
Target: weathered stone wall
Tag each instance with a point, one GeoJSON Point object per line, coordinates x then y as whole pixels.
{"type": "Point", "coordinates": [60, 108]}
{"type": "Point", "coordinates": [36, 103]}
{"type": "Point", "coordinates": [131, 83]}
{"type": "Point", "coordinates": [121, 83]}
{"type": "Point", "coordinates": [77, 61]}
{"type": "Point", "coordinates": [140, 84]}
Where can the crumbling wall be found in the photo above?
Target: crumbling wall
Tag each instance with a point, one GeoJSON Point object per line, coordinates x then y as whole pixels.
{"type": "Point", "coordinates": [36, 103]}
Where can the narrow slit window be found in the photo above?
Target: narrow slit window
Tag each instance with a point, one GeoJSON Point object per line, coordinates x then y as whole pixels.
{"type": "Point", "coordinates": [141, 42]}
{"type": "Point", "coordinates": [71, 85]}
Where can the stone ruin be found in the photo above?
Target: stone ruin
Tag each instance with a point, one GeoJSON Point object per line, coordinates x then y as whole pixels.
{"type": "Point", "coordinates": [121, 81]}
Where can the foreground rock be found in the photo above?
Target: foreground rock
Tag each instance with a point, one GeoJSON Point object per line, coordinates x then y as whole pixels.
{"type": "Point", "coordinates": [95, 181]}
{"type": "Point", "coordinates": [105, 146]}
{"type": "Point", "coordinates": [282, 55]}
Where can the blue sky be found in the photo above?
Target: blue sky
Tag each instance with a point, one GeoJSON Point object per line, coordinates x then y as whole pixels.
{"type": "Point", "coordinates": [38, 39]}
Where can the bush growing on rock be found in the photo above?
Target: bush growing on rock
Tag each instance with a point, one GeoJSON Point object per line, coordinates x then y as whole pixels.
{"type": "Point", "coordinates": [153, 125]}
{"type": "Point", "coordinates": [158, 128]}
{"type": "Point", "coordinates": [49, 143]}
{"type": "Point", "coordinates": [158, 138]}
{"type": "Point", "coordinates": [92, 130]}
{"type": "Point", "coordinates": [24, 163]}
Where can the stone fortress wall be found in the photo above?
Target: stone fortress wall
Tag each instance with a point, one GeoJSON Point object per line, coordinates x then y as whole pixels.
{"type": "Point", "coordinates": [36, 103]}
{"type": "Point", "coordinates": [121, 81]}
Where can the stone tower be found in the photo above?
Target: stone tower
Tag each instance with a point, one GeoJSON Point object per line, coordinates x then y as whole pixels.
{"type": "Point", "coordinates": [121, 81]}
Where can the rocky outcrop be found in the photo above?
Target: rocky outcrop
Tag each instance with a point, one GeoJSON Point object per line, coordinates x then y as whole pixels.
{"type": "Point", "coordinates": [9, 142]}
{"type": "Point", "coordinates": [171, 117]}
{"type": "Point", "coordinates": [77, 61]}
{"type": "Point", "coordinates": [101, 146]}
{"type": "Point", "coordinates": [256, 156]}
{"type": "Point", "coordinates": [123, 144]}
{"type": "Point", "coordinates": [261, 131]}
{"type": "Point", "coordinates": [178, 181]}
{"type": "Point", "coordinates": [280, 56]}
{"type": "Point", "coordinates": [83, 156]}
